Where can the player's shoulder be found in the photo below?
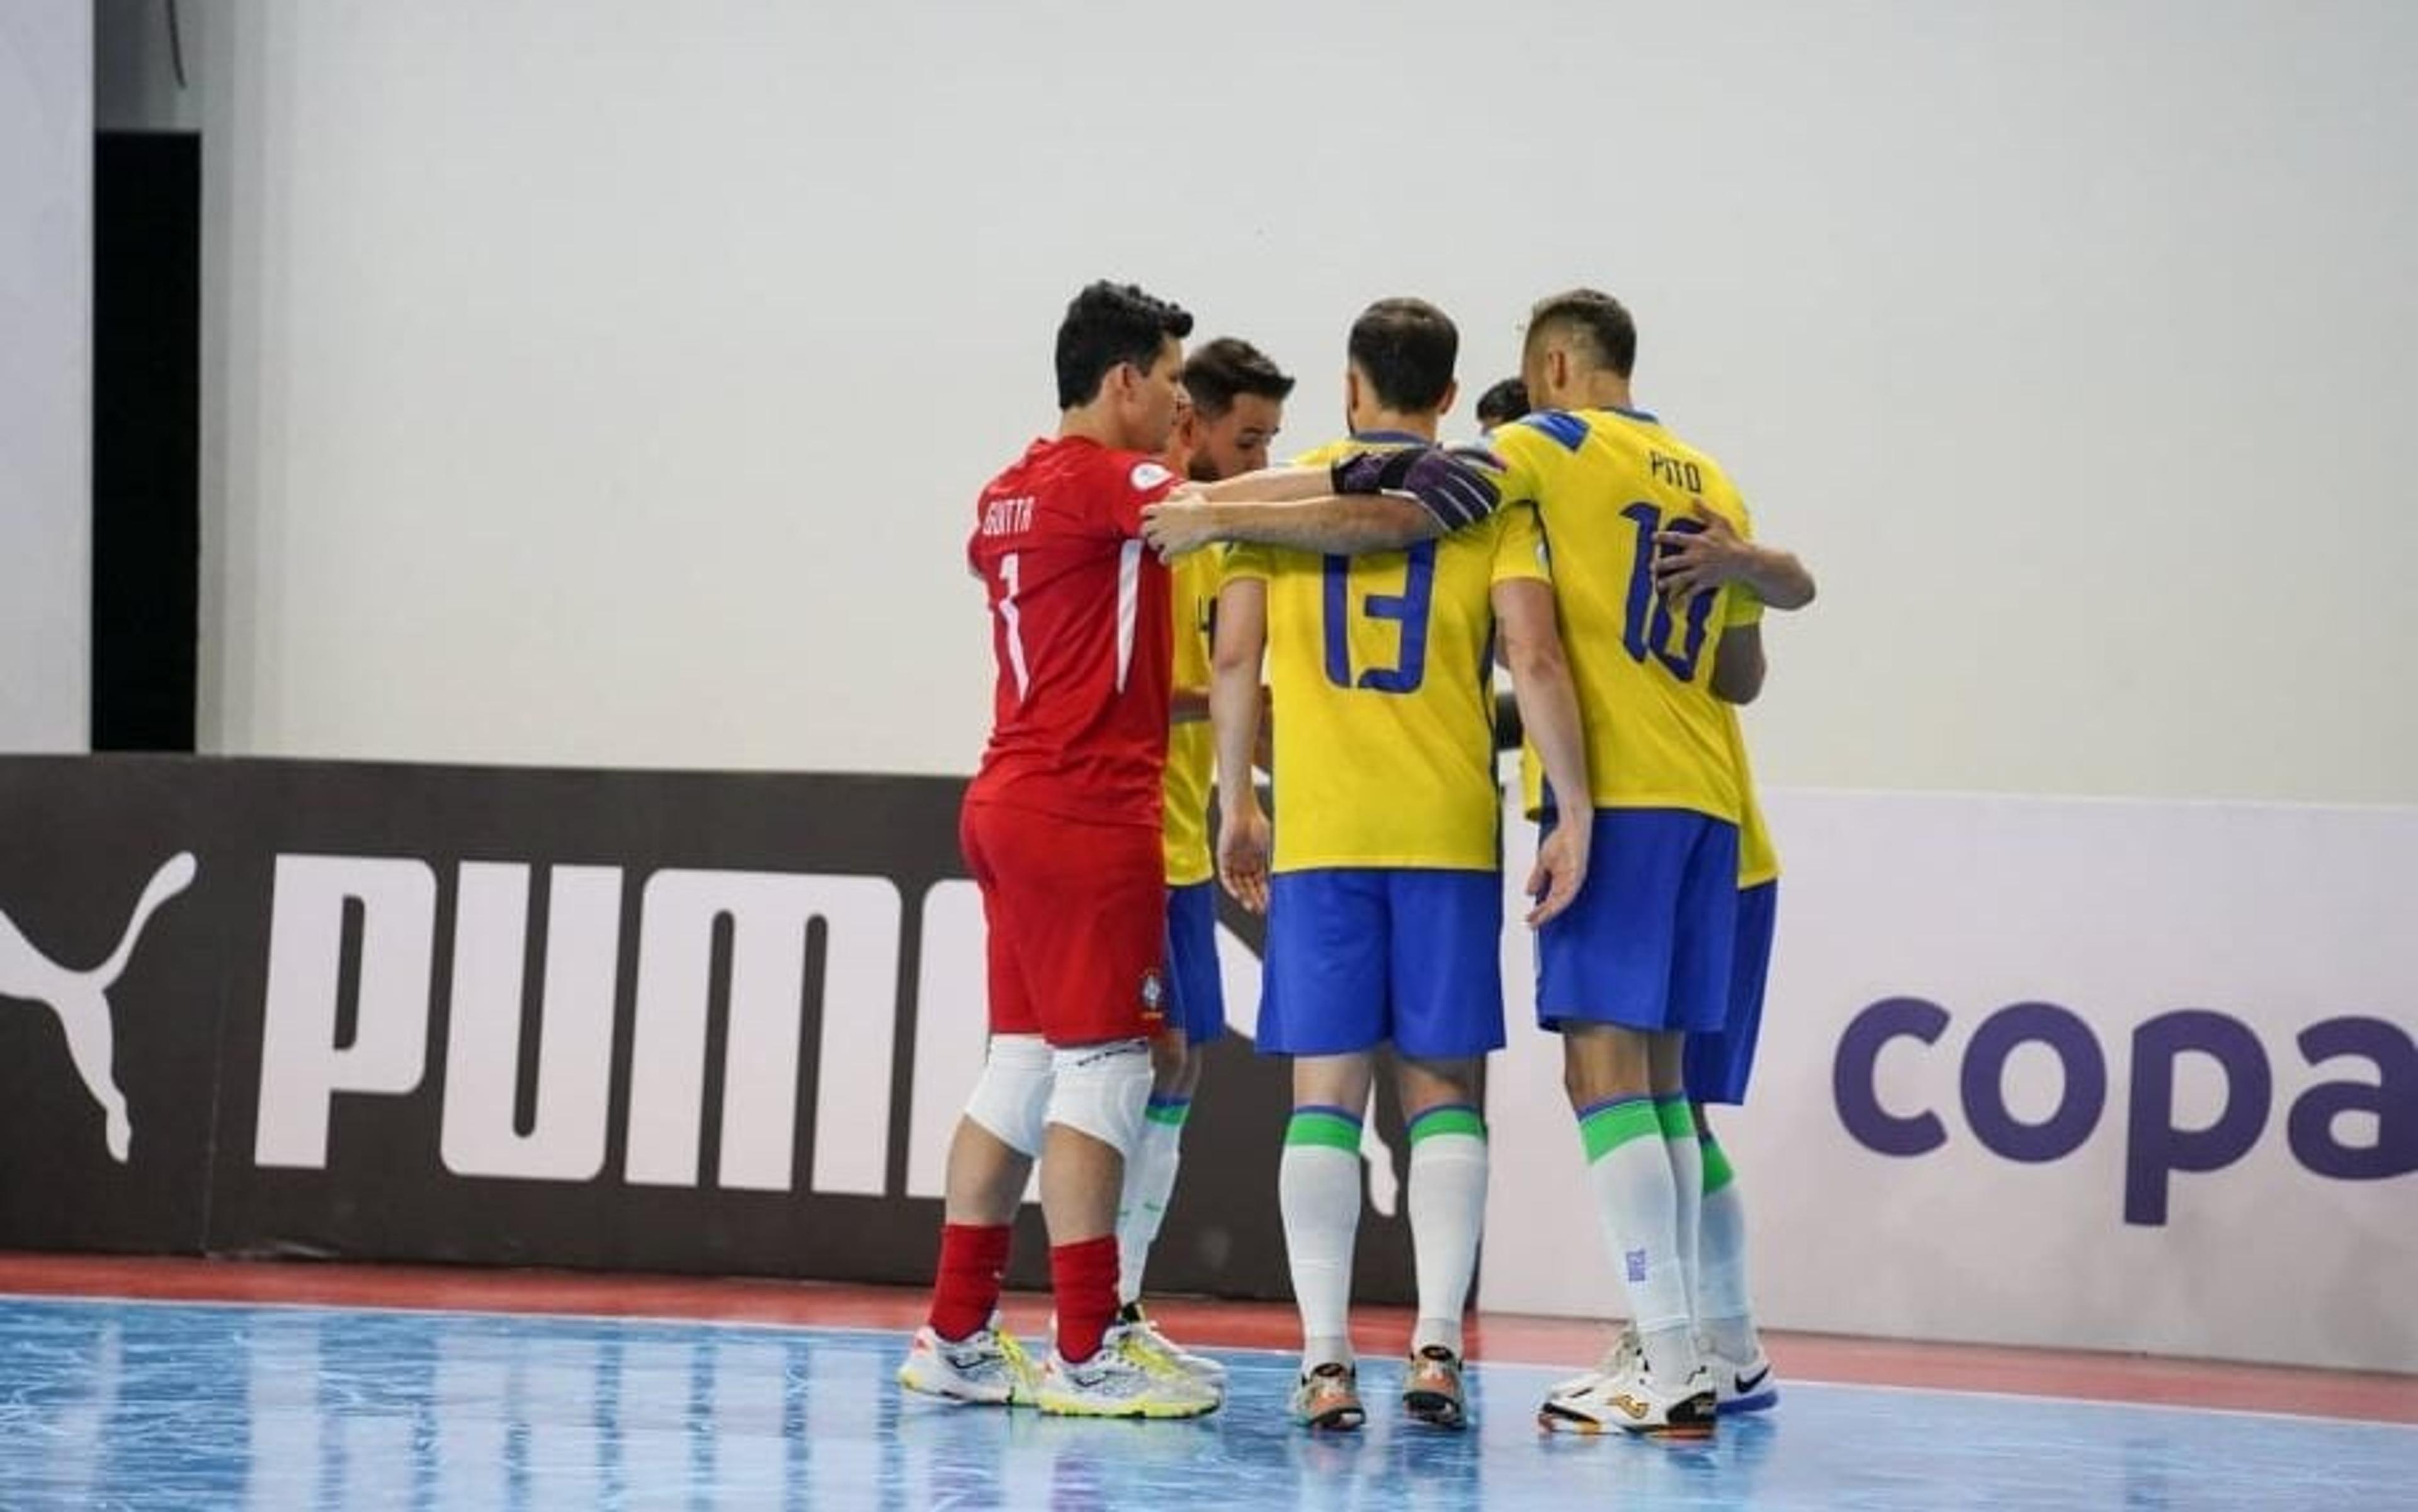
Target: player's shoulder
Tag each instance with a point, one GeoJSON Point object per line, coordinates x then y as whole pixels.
{"type": "Point", "coordinates": [1137, 473]}
{"type": "Point", "coordinates": [1080, 462]}
{"type": "Point", "coordinates": [1031, 466]}
{"type": "Point", "coordinates": [1563, 428]}
{"type": "Point", "coordinates": [1320, 456]}
{"type": "Point", "coordinates": [1660, 437]}
{"type": "Point", "coordinates": [1129, 472]}
{"type": "Point", "coordinates": [1706, 477]}
{"type": "Point", "coordinates": [1108, 486]}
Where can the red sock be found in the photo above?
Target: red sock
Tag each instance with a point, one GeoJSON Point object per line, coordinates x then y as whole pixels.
{"type": "Point", "coordinates": [1084, 1277]}
{"type": "Point", "coordinates": [965, 1291]}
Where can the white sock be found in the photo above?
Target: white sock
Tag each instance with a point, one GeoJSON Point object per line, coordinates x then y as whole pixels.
{"type": "Point", "coordinates": [1728, 1317]}
{"type": "Point", "coordinates": [1318, 1187]}
{"type": "Point", "coordinates": [1687, 1186]}
{"type": "Point", "coordinates": [1150, 1181]}
{"type": "Point", "coordinates": [1631, 1172]}
{"type": "Point", "coordinates": [1447, 1201]}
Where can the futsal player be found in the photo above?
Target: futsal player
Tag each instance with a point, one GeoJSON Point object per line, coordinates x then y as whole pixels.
{"type": "Point", "coordinates": [1062, 831]}
{"type": "Point", "coordinates": [1384, 893]}
{"type": "Point", "coordinates": [1233, 410]}
{"type": "Point", "coordinates": [1644, 954]}
{"type": "Point", "coordinates": [1717, 1065]}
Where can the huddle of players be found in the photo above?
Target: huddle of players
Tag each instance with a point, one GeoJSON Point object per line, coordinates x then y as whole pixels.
{"type": "Point", "coordinates": [1376, 580]}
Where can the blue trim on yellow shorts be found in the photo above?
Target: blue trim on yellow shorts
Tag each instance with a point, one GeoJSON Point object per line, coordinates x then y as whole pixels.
{"type": "Point", "coordinates": [1647, 942]}
{"type": "Point", "coordinates": [1360, 956]}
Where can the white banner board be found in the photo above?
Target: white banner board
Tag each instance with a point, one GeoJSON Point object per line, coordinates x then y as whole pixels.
{"type": "Point", "coordinates": [2120, 1075]}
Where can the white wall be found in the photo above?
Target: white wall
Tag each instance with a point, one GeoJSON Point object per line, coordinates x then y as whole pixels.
{"type": "Point", "coordinates": [606, 382]}
{"type": "Point", "coordinates": [45, 374]}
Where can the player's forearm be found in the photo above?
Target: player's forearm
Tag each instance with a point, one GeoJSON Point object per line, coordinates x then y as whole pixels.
{"type": "Point", "coordinates": [1235, 718]}
{"type": "Point", "coordinates": [1549, 713]}
{"type": "Point", "coordinates": [1738, 681]}
{"type": "Point", "coordinates": [1778, 578]}
{"type": "Point", "coordinates": [1339, 525]}
{"type": "Point", "coordinates": [1738, 665]}
{"type": "Point", "coordinates": [1270, 485]}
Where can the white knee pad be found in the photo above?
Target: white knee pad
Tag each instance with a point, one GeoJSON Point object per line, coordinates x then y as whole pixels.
{"type": "Point", "coordinates": [1011, 1099]}
{"type": "Point", "coordinates": [1101, 1089]}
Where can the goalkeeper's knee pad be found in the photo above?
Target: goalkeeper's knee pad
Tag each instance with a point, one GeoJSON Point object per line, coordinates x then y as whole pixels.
{"type": "Point", "coordinates": [1011, 1099]}
{"type": "Point", "coordinates": [1101, 1089]}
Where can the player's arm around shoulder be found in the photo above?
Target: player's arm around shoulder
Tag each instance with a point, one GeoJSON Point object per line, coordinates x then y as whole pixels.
{"type": "Point", "coordinates": [1373, 500]}
{"type": "Point", "coordinates": [1714, 544]}
{"type": "Point", "coordinates": [1129, 483]}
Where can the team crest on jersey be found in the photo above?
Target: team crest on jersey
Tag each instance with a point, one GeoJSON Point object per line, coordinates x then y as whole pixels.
{"type": "Point", "coordinates": [1153, 1000]}
{"type": "Point", "coordinates": [1149, 474]}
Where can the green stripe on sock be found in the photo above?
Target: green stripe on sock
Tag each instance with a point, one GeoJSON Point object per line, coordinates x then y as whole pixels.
{"type": "Point", "coordinates": [1717, 1168]}
{"type": "Point", "coordinates": [1333, 1130]}
{"type": "Point", "coordinates": [1607, 1129]}
{"type": "Point", "coordinates": [1448, 1120]}
{"type": "Point", "coordinates": [1673, 1115]}
{"type": "Point", "coordinates": [1170, 1113]}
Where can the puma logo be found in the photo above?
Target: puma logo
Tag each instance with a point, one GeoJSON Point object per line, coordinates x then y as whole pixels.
{"type": "Point", "coordinates": [81, 999]}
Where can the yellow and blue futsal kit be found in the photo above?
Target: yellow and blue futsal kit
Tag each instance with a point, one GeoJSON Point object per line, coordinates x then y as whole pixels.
{"type": "Point", "coordinates": [1648, 943]}
{"type": "Point", "coordinates": [1386, 897]}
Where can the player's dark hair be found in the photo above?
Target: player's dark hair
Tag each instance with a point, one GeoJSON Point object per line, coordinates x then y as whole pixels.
{"type": "Point", "coordinates": [1503, 404]}
{"type": "Point", "coordinates": [1406, 349]}
{"type": "Point", "coordinates": [1218, 372]}
{"type": "Point", "coordinates": [1106, 325]}
{"type": "Point", "coordinates": [1601, 320]}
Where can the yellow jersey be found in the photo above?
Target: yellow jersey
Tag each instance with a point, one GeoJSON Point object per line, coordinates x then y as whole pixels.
{"type": "Point", "coordinates": [1604, 481]}
{"type": "Point", "coordinates": [1191, 750]}
{"type": "Point", "coordinates": [1379, 673]}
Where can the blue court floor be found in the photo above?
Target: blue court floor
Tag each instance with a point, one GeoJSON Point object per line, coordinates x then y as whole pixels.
{"type": "Point", "coordinates": [153, 1405]}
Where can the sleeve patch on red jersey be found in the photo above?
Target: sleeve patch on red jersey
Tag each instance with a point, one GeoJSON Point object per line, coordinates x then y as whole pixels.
{"type": "Point", "coordinates": [1149, 474]}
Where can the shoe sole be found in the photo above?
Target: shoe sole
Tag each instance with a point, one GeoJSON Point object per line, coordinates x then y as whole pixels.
{"type": "Point", "coordinates": [961, 1397]}
{"type": "Point", "coordinates": [1436, 1409]}
{"type": "Point", "coordinates": [1343, 1418]}
{"type": "Point", "coordinates": [1157, 1411]}
{"type": "Point", "coordinates": [1690, 1419]}
{"type": "Point", "coordinates": [1760, 1401]}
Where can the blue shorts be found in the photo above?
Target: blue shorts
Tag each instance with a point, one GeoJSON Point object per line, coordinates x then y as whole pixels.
{"type": "Point", "coordinates": [1357, 956]}
{"type": "Point", "coordinates": [1647, 943]}
{"type": "Point", "coordinates": [1195, 985]}
{"type": "Point", "coordinates": [1717, 1064]}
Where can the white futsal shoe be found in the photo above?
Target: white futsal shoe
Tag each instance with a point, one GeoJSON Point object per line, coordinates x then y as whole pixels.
{"type": "Point", "coordinates": [1128, 1378]}
{"type": "Point", "coordinates": [988, 1367]}
{"type": "Point", "coordinates": [1743, 1386]}
{"type": "Point", "coordinates": [1198, 1366]}
{"type": "Point", "coordinates": [1626, 1396]}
